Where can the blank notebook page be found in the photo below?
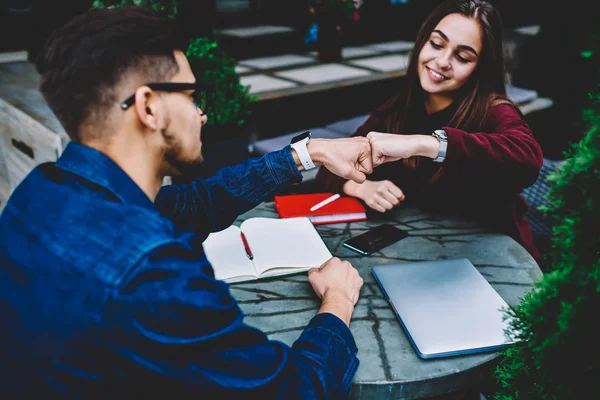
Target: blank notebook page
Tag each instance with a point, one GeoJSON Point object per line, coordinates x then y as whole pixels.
{"type": "Point", "coordinates": [290, 242]}
{"type": "Point", "coordinates": [231, 259]}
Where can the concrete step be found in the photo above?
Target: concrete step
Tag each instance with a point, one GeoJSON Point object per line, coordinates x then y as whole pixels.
{"type": "Point", "coordinates": [260, 40]}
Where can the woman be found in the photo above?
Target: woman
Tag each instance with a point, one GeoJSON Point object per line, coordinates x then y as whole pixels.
{"type": "Point", "coordinates": [459, 144]}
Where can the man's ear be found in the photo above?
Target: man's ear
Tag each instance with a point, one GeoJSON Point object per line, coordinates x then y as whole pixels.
{"type": "Point", "coordinates": [146, 107]}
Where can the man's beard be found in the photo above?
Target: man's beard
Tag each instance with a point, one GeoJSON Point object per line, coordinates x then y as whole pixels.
{"type": "Point", "coordinates": [174, 157]}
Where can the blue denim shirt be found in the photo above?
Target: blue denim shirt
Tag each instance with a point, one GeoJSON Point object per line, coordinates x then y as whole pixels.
{"type": "Point", "coordinates": [105, 294]}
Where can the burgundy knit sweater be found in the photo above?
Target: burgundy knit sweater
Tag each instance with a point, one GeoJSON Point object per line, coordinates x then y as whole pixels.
{"type": "Point", "coordinates": [484, 172]}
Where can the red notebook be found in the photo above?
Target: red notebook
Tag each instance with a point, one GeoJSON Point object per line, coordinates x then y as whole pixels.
{"type": "Point", "coordinates": [344, 209]}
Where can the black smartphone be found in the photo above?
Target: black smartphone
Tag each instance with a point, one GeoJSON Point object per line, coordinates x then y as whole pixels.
{"type": "Point", "coordinates": [375, 239]}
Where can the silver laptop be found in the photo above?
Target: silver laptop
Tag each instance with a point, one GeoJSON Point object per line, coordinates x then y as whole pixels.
{"type": "Point", "coordinates": [446, 307]}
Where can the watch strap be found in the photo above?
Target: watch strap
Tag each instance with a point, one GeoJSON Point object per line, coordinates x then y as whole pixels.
{"type": "Point", "coordinates": [443, 138]}
{"type": "Point", "coordinates": [303, 155]}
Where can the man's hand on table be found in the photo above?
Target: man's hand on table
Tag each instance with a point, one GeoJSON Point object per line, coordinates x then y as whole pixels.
{"type": "Point", "coordinates": [338, 284]}
{"type": "Point", "coordinates": [349, 158]}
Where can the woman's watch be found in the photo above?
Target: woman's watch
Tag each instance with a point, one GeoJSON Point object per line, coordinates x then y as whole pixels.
{"type": "Point", "coordinates": [299, 143]}
{"type": "Point", "coordinates": [441, 135]}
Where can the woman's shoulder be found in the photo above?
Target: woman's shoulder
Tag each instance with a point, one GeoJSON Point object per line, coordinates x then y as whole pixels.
{"type": "Point", "coordinates": [501, 108]}
{"type": "Point", "coordinates": [503, 115]}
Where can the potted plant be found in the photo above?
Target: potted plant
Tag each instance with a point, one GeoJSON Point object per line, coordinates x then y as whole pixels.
{"type": "Point", "coordinates": [226, 135]}
{"type": "Point", "coordinates": [558, 357]}
{"type": "Point", "coordinates": [329, 17]}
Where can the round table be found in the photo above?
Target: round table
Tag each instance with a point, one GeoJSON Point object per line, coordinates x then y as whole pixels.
{"type": "Point", "coordinates": [389, 366]}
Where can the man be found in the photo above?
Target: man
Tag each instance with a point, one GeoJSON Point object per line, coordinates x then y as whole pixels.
{"type": "Point", "coordinates": [104, 288]}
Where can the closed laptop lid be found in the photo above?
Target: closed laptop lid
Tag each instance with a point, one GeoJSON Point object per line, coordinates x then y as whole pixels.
{"type": "Point", "coordinates": [446, 307]}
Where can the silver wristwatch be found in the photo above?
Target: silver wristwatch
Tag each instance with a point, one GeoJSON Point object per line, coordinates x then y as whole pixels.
{"type": "Point", "coordinates": [441, 135]}
{"type": "Point", "coordinates": [299, 143]}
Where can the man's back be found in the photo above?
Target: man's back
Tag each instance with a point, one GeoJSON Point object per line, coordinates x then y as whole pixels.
{"type": "Point", "coordinates": [65, 245]}
{"type": "Point", "coordinates": [106, 294]}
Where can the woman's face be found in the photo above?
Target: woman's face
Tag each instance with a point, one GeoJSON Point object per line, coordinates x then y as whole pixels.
{"type": "Point", "coordinates": [450, 56]}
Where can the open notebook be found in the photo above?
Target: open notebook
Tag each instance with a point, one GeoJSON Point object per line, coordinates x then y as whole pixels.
{"type": "Point", "coordinates": [278, 246]}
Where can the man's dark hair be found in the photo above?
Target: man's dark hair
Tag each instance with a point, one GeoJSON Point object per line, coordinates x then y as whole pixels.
{"type": "Point", "coordinates": [83, 62]}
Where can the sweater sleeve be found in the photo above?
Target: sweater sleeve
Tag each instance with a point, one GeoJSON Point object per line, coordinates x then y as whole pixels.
{"type": "Point", "coordinates": [330, 182]}
{"type": "Point", "coordinates": [509, 147]}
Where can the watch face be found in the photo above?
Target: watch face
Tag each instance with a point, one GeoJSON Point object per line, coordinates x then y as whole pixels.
{"type": "Point", "coordinates": [440, 134]}
{"type": "Point", "coordinates": [300, 137]}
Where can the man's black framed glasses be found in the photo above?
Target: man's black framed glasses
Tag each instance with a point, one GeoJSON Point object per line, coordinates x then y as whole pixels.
{"type": "Point", "coordinates": [199, 95]}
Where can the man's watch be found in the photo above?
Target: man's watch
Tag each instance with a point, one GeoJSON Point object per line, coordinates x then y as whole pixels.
{"type": "Point", "coordinates": [299, 143]}
{"type": "Point", "coordinates": [441, 135]}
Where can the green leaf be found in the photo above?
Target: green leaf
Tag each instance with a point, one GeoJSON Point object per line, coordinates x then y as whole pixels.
{"type": "Point", "coordinates": [560, 354]}
{"type": "Point", "coordinates": [228, 101]}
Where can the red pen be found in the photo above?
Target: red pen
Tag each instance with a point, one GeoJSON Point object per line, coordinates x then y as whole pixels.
{"type": "Point", "coordinates": [247, 247]}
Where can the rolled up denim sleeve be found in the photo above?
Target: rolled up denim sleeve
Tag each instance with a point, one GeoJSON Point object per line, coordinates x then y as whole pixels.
{"type": "Point", "coordinates": [178, 327]}
{"type": "Point", "coordinates": [213, 204]}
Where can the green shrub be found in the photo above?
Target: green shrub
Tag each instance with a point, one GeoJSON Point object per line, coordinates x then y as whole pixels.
{"type": "Point", "coordinates": [228, 102]}
{"type": "Point", "coordinates": [169, 7]}
{"type": "Point", "coordinates": [559, 358]}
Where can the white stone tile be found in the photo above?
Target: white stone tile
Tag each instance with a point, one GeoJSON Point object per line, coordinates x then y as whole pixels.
{"type": "Point", "coordinates": [13, 56]}
{"type": "Point", "coordinates": [351, 52]}
{"type": "Point", "coordinates": [263, 83]}
{"type": "Point", "coordinates": [323, 73]}
{"type": "Point", "coordinates": [541, 103]}
{"type": "Point", "coordinates": [528, 30]}
{"type": "Point", "coordinates": [233, 6]}
{"type": "Point", "coordinates": [240, 69]}
{"type": "Point", "coordinates": [277, 61]}
{"type": "Point", "coordinates": [394, 62]}
{"type": "Point", "coordinates": [258, 30]}
{"type": "Point", "coordinates": [520, 95]}
{"type": "Point", "coordinates": [265, 146]}
{"type": "Point", "coordinates": [398, 45]}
